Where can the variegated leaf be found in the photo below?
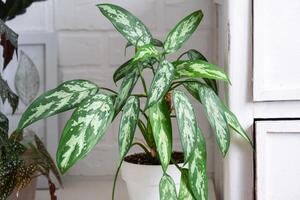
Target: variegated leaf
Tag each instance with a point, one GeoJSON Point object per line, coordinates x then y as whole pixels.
{"type": "Point", "coordinates": [7, 94]}
{"type": "Point", "coordinates": [197, 169]}
{"type": "Point", "coordinates": [65, 97]}
{"type": "Point", "coordinates": [159, 117]}
{"type": "Point", "coordinates": [145, 52]}
{"type": "Point", "coordinates": [128, 125]}
{"type": "Point", "coordinates": [3, 130]}
{"type": "Point", "coordinates": [185, 192]}
{"type": "Point", "coordinates": [127, 24]}
{"type": "Point", "coordinates": [27, 79]}
{"type": "Point", "coordinates": [199, 69]}
{"type": "Point", "coordinates": [235, 124]}
{"type": "Point", "coordinates": [125, 90]}
{"type": "Point", "coordinates": [161, 83]}
{"type": "Point", "coordinates": [186, 121]}
{"type": "Point", "coordinates": [182, 31]}
{"type": "Point", "coordinates": [84, 129]}
{"type": "Point", "coordinates": [216, 116]}
{"type": "Point", "coordinates": [167, 189]}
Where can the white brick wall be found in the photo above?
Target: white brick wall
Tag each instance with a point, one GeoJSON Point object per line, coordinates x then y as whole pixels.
{"type": "Point", "coordinates": [90, 48]}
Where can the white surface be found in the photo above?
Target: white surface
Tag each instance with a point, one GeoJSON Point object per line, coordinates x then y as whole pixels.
{"type": "Point", "coordinates": [277, 160]}
{"type": "Point", "coordinates": [134, 176]}
{"type": "Point", "coordinates": [276, 50]}
{"type": "Point", "coordinates": [77, 188]}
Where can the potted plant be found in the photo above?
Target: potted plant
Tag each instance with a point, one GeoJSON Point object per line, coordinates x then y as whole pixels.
{"type": "Point", "coordinates": [158, 171]}
{"type": "Point", "coordinates": [23, 157]}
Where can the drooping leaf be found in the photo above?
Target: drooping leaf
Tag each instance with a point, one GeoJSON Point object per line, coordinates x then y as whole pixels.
{"type": "Point", "coordinates": [43, 158]}
{"type": "Point", "coordinates": [234, 123]}
{"type": "Point", "coordinates": [9, 42]}
{"type": "Point", "coordinates": [197, 169]}
{"type": "Point", "coordinates": [161, 83]}
{"type": "Point", "coordinates": [186, 121]}
{"type": "Point", "coordinates": [182, 31]}
{"type": "Point", "coordinates": [199, 69]}
{"type": "Point", "coordinates": [65, 97]}
{"type": "Point", "coordinates": [125, 90]}
{"type": "Point", "coordinates": [84, 129]}
{"type": "Point", "coordinates": [127, 24]}
{"type": "Point", "coordinates": [3, 130]}
{"type": "Point", "coordinates": [159, 116]}
{"type": "Point", "coordinates": [145, 52]}
{"type": "Point", "coordinates": [167, 189]}
{"type": "Point", "coordinates": [128, 125]}
{"type": "Point", "coordinates": [185, 192]}
{"type": "Point", "coordinates": [216, 116]}
{"type": "Point", "coordinates": [27, 79]}
{"type": "Point", "coordinates": [7, 94]}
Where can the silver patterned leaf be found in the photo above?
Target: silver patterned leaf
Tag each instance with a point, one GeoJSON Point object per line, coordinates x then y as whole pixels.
{"type": "Point", "coordinates": [216, 116]}
{"type": "Point", "coordinates": [159, 116]}
{"type": "Point", "coordinates": [145, 52]}
{"type": "Point", "coordinates": [127, 24]}
{"type": "Point", "coordinates": [161, 83]}
{"type": "Point", "coordinates": [197, 169]}
{"type": "Point", "coordinates": [84, 129]}
{"type": "Point", "coordinates": [185, 192]}
{"type": "Point", "coordinates": [27, 79]}
{"type": "Point", "coordinates": [182, 31]}
{"type": "Point", "coordinates": [167, 189]}
{"type": "Point", "coordinates": [186, 121]}
{"type": "Point", "coordinates": [128, 124]}
{"type": "Point", "coordinates": [65, 97]}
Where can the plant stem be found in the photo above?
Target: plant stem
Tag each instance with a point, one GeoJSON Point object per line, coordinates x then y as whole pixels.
{"type": "Point", "coordinates": [110, 90]}
{"type": "Point", "coordinates": [143, 147]}
{"type": "Point", "coordinates": [143, 81]}
{"type": "Point", "coordinates": [144, 114]}
{"type": "Point", "coordinates": [140, 95]}
{"type": "Point", "coordinates": [115, 180]}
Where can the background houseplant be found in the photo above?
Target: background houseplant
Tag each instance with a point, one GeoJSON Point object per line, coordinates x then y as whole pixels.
{"type": "Point", "coordinates": [23, 156]}
{"type": "Point", "coordinates": [96, 106]}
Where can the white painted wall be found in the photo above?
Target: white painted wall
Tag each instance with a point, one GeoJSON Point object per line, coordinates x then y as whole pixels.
{"type": "Point", "coordinates": [90, 48]}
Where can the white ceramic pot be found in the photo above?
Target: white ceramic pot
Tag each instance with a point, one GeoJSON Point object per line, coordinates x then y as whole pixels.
{"type": "Point", "coordinates": [143, 180]}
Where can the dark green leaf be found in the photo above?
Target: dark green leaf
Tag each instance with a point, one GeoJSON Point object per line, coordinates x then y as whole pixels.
{"type": "Point", "coordinates": [159, 116]}
{"type": "Point", "coordinates": [157, 42]}
{"type": "Point", "coordinates": [123, 70]}
{"type": "Point", "coordinates": [65, 97]}
{"type": "Point", "coordinates": [128, 125]}
{"type": "Point", "coordinates": [161, 83]}
{"type": "Point", "coordinates": [3, 130]}
{"type": "Point", "coordinates": [84, 129]}
{"type": "Point", "coordinates": [127, 24]}
{"type": "Point", "coordinates": [167, 189]}
{"type": "Point", "coordinates": [182, 31]}
{"type": "Point", "coordinates": [7, 94]}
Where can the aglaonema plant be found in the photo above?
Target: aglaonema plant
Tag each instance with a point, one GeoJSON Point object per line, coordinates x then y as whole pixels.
{"type": "Point", "coordinates": [96, 107]}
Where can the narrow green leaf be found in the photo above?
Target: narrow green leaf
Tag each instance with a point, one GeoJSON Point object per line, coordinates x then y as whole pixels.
{"type": "Point", "coordinates": [128, 125]}
{"type": "Point", "coordinates": [185, 191]}
{"type": "Point", "coordinates": [182, 31]}
{"type": "Point", "coordinates": [127, 24]}
{"type": "Point", "coordinates": [159, 116]}
{"type": "Point", "coordinates": [197, 169]}
{"type": "Point", "coordinates": [65, 97]}
{"type": "Point", "coordinates": [145, 52]}
{"type": "Point", "coordinates": [186, 121]}
{"type": "Point", "coordinates": [161, 83]}
{"type": "Point", "coordinates": [216, 116]}
{"type": "Point", "coordinates": [167, 189]}
{"type": "Point", "coordinates": [125, 90]}
{"type": "Point", "coordinates": [147, 133]}
{"type": "Point", "coordinates": [235, 124]}
{"type": "Point", "coordinates": [123, 70]}
{"type": "Point", "coordinates": [199, 69]}
{"type": "Point", "coordinates": [84, 129]}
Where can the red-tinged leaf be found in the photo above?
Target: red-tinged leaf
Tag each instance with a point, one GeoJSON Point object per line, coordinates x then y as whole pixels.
{"type": "Point", "coordinates": [52, 190]}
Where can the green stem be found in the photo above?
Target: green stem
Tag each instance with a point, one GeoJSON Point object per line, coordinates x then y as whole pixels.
{"type": "Point", "coordinates": [144, 114]}
{"type": "Point", "coordinates": [103, 88]}
{"type": "Point", "coordinates": [115, 180]}
{"type": "Point", "coordinates": [143, 147]}
{"type": "Point", "coordinates": [140, 95]}
{"type": "Point", "coordinates": [143, 81]}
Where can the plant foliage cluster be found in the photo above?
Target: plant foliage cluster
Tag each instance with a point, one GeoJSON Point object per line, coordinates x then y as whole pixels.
{"type": "Point", "coordinates": [167, 97]}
